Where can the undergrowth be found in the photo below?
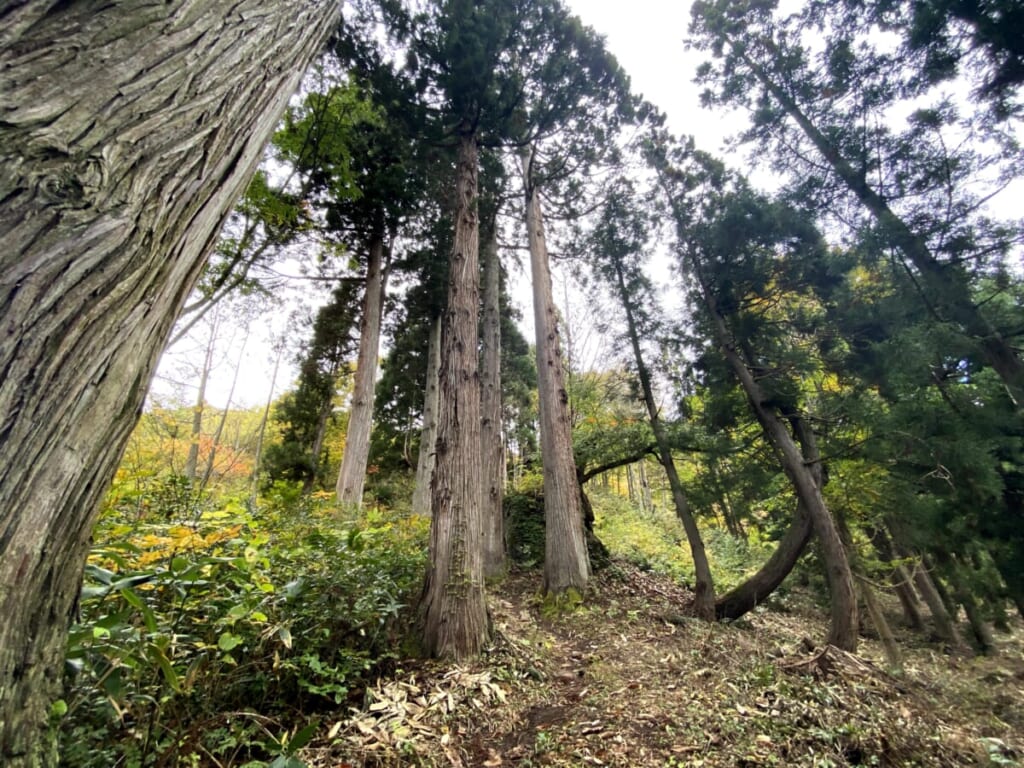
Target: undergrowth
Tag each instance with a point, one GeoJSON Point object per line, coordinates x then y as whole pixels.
{"type": "Point", "coordinates": [216, 637]}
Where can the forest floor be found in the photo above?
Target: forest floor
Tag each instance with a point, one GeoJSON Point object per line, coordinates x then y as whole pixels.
{"type": "Point", "coordinates": [625, 680]}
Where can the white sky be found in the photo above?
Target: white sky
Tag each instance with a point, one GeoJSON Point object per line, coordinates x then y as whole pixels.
{"type": "Point", "coordinates": [646, 36]}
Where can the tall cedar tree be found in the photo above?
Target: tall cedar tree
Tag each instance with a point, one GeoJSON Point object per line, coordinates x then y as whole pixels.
{"type": "Point", "coordinates": [718, 226]}
{"type": "Point", "coordinates": [129, 130]}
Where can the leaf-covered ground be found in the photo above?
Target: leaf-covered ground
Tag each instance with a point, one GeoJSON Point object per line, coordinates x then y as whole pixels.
{"type": "Point", "coordinates": [628, 681]}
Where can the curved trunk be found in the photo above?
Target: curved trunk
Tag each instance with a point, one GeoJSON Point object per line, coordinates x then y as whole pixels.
{"type": "Point", "coordinates": [566, 565]}
{"type": "Point", "coordinates": [352, 474]}
{"type": "Point", "coordinates": [428, 433]}
{"type": "Point", "coordinates": [129, 129]}
{"type": "Point", "coordinates": [704, 589]}
{"type": "Point", "coordinates": [754, 590]}
{"type": "Point", "coordinates": [455, 615]}
{"type": "Point", "coordinates": [492, 440]}
{"type": "Point", "coordinates": [843, 627]}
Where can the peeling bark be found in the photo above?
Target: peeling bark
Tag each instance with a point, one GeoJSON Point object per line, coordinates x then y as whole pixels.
{"type": "Point", "coordinates": [127, 131]}
{"type": "Point", "coordinates": [455, 615]}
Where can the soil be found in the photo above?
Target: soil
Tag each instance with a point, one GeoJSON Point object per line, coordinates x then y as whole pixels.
{"type": "Point", "coordinates": [629, 679]}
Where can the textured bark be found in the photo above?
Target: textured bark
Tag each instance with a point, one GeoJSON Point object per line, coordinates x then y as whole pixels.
{"type": "Point", "coordinates": [752, 592]}
{"type": "Point", "coordinates": [843, 627]}
{"type": "Point", "coordinates": [704, 589]}
{"type": "Point", "coordinates": [566, 565]}
{"type": "Point", "coordinates": [127, 131]}
{"type": "Point", "coordinates": [455, 615]}
{"type": "Point", "coordinates": [352, 474]}
{"type": "Point", "coordinates": [428, 433]}
{"type": "Point", "coordinates": [492, 440]}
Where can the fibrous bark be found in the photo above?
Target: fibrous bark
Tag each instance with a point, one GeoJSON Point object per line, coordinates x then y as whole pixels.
{"type": "Point", "coordinates": [352, 474]}
{"type": "Point", "coordinates": [428, 432]}
{"type": "Point", "coordinates": [566, 565]}
{"type": "Point", "coordinates": [127, 131]}
{"type": "Point", "coordinates": [492, 440]}
{"type": "Point", "coordinates": [454, 612]}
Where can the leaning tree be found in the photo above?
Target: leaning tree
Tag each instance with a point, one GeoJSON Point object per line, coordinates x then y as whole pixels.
{"type": "Point", "coordinates": [128, 131]}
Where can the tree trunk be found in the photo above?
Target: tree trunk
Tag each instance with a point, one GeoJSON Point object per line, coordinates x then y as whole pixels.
{"type": "Point", "coordinates": [953, 571]}
{"type": "Point", "coordinates": [455, 615]}
{"type": "Point", "coordinates": [732, 521]}
{"type": "Point", "coordinates": [323, 418]}
{"type": "Point", "coordinates": [889, 644]}
{"type": "Point", "coordinates": [192, 461]}
{"type": "Point", "coordinates": [219, 432]}
{"type": "Point", "coordinates": [129, 129]}
{"type": "Point", "coordinates": [901, 580]}
{"type": "Point", "coordinates": [352, 474]}
{"type": "Point", "coordinates": [428, 433]}
{"type": "Point", "coordinates": [258, 458]}
{"type": "Point", "coordinates": [754, 590]}
{"type": "Point", "coordinates": [566, 565]}
{"type": "Point", "coordinates": [704, 589]}
{"type": "Point", "coordinates": [945, 626]}
{"type": "Point", "coordinates": [492, 440]}
{"type": "Point", "coordinates": [843, 628]}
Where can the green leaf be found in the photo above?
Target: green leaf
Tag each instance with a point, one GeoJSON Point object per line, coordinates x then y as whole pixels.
{"type": "Point", "coordinates": [148, 617]}
{"type": "Point", "coordinates": [228, 641]}
{"type": "Point", "coordinates": [303, 737]}
{"type": "Point", "coordinates": [158, 656]}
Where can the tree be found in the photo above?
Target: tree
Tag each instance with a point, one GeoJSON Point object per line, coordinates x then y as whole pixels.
{"type": "Point", "coordinates": [129, 131]}
{"type": "Point", "coordinates": [915, 186]}
{"type": "Point", "coordinates": [728, 239]}
{"type": "Point", "coordinates": [492, 445]}
{"type": "Point", "coordinates": [566, 564]}
{"type": "Point", "coordinates": [620, 235]}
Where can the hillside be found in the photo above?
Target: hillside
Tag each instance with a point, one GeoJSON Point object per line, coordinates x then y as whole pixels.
{"type": "Point", "coordinates": [628, 681]}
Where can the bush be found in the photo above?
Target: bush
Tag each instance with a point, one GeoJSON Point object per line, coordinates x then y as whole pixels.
{"type": "Point", "coordinates": [194, 639]}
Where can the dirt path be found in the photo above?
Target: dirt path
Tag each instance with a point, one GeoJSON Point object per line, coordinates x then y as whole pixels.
{"type": "Point", "coordinates": [628, 681]}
